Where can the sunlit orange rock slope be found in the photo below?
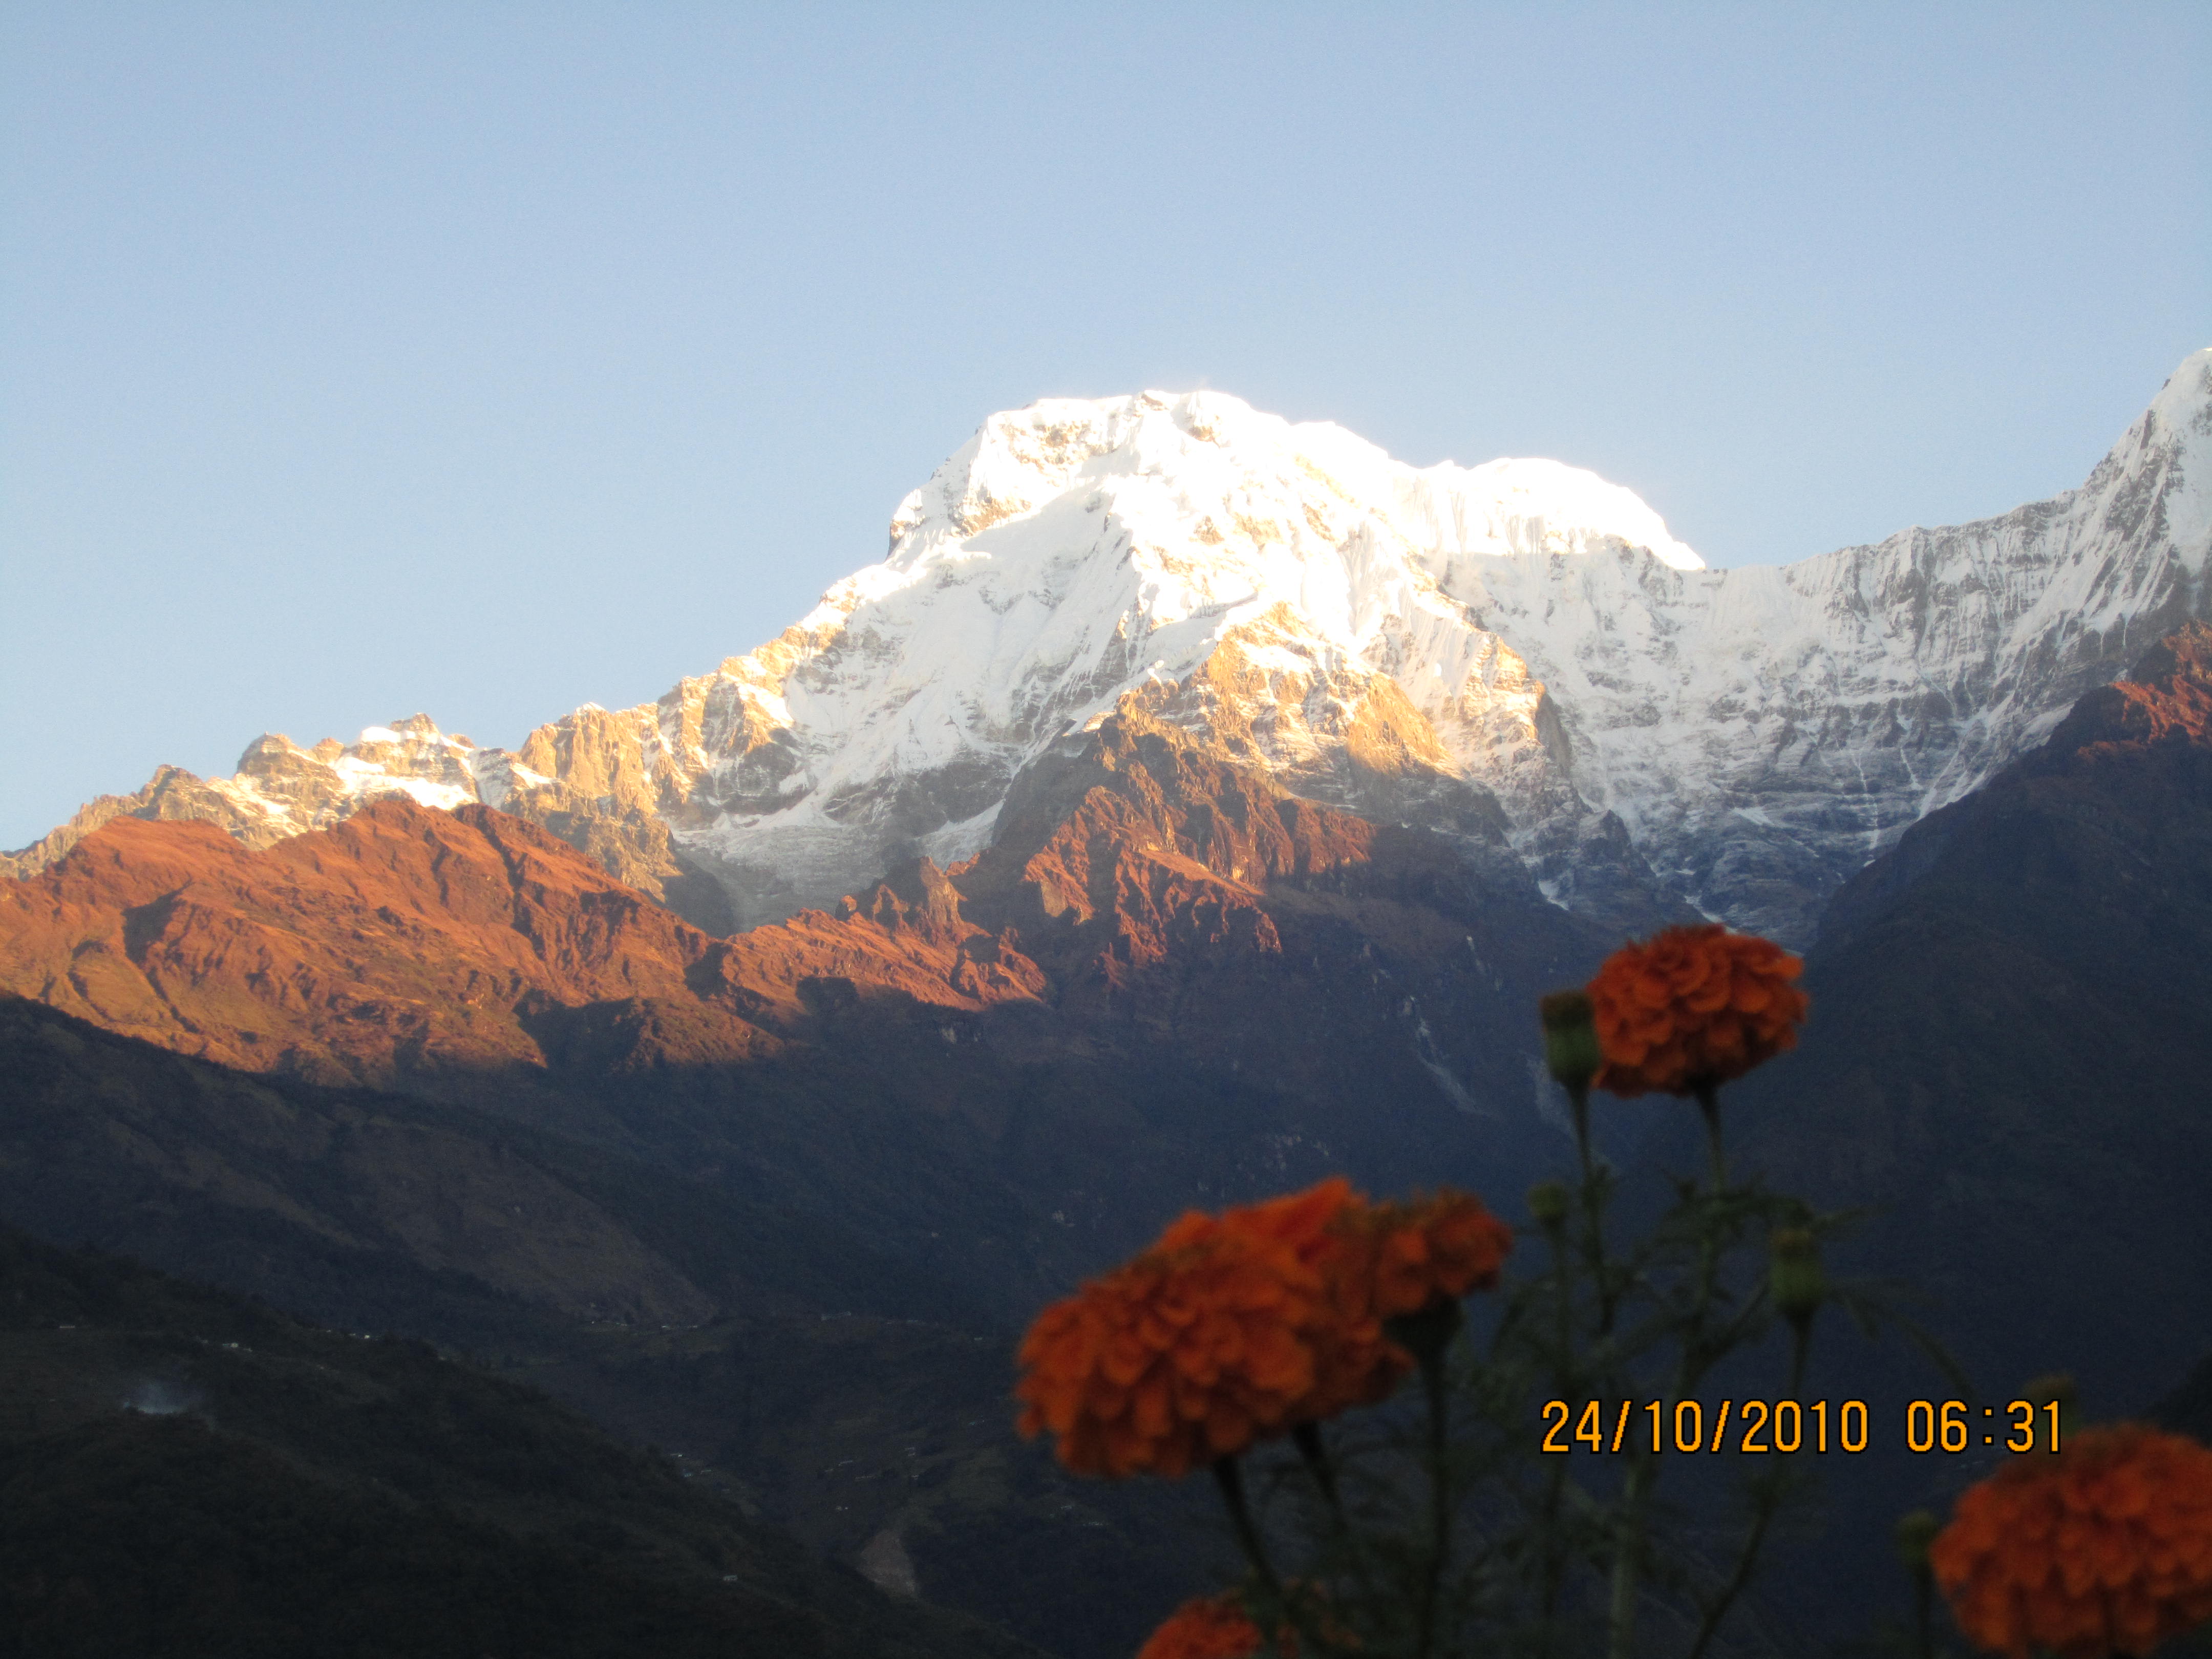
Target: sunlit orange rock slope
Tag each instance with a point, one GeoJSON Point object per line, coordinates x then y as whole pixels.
{"type": "Point", "coordinates": [2168, 701]}
{"type": "Point", "coordinates": [1146, 893]}
{"type": "Point", "coordinates": [408, 939]}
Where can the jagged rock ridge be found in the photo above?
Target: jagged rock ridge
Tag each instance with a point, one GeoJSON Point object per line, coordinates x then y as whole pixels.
{"type": "Point", "coordinates": [1148, 895]}
{"type": "Point", "coordinates": [404, 940]}
{"type": "Point", "coordinates": [1517, 648]}
{"type": "Point", "coordinates": [1168, 980]}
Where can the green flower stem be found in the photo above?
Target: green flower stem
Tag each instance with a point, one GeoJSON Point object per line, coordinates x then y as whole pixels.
{"type": "Point", "coordinates": [1440, 1507]}
{"type": "Point", "coordinates": [1769, 1498]}
{"type": "Point", "coordinates": [1627, 1561]}
{"type": "Point", "coordinates": [1555, 1560]}
{"type": "Point", "coordinates": [1762, 1515]}
{"type": "Point", "coordinates": [1277, 1611]}
{"type": "Point", "coordinates": [1578, 1098]}
{"type": "Point", "coordinates": [1307, 1439]}
{"type": "Point", "coordinates": [1228, 1475]}
{"type": "Point", "coordinates": [1709, 1103]}
{"type": "Point", "coordinates": [1592, 1208]}
{"type": "Point", "coordinates": [1697, 1353]}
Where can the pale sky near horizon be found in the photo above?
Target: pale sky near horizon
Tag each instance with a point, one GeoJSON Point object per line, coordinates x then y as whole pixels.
{"type": "Point", "coordinates": [488, 360]}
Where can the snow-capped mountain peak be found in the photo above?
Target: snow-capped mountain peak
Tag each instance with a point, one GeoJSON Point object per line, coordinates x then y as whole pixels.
{"type": "Point", "coordinates": [1516, 650]}
{"type": "Point", "coordinates": [1210, 447]}
{"type": "Point", "coordinates": [1075, 552]}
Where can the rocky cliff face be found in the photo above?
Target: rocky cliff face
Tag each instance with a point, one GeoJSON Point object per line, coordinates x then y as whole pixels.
{"type": "Point", "coordinates": [1145, 882]}
{"type": "Point", "coordinates": [1168, 978]}
{"type": "Point", "coordinates": [597, 803]}
{"type": "Point", "coordinates": [1516, 647]}
{"type": "Point", "coordinates": [407, 941]}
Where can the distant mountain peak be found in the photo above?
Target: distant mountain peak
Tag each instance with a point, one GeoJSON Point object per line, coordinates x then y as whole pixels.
{"type": "Point", "coordinates": [1208, 443]}
{"type": "Point", "coordinates": [1517, 649]}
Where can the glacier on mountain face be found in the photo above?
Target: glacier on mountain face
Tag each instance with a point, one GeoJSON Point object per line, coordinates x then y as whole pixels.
{"type": "Point", "coordinates": [1519, 648]}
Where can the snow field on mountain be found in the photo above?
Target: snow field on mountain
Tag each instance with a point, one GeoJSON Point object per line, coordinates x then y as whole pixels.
{"type": "Point", "coordinates": [1760, 733]}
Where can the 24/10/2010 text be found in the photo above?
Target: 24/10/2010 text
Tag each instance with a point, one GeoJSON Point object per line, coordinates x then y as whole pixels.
{"type": "Point", "coordinates": [1758, 1426]}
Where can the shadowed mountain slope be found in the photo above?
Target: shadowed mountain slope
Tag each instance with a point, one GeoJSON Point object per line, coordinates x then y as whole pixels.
{"type": "Point", "coordinates": [2012, 1020]}
{"type": "Point", "coordinates": [1167, 982]}
{"type": "Point", "coordinates": [641, 1165]}
{"type": "Point", "coordinates": [375, 1211]}
{"type": "Point", "coordinates": [188, 1473]}
{"type": "Point", "coordinates": [835, 1389]}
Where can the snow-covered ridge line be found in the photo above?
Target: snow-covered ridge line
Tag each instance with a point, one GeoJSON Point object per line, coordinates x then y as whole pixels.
{"type": "Point", "coordinates": [1410, 642]}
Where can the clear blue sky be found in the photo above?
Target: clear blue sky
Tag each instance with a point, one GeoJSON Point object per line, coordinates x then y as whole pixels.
{"type": "Point", "coordinates": [490, 359]}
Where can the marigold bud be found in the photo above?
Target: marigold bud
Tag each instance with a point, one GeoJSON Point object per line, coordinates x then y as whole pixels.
{"type": "Point", "coordinates": [1794, 1277]}
{"type": "Point", "coordinates": [1570, 1044]}
{"type": "Point", "coordinates": [1914, 1534]}
{"type": "Point", "coordinates": [1547, 1203]}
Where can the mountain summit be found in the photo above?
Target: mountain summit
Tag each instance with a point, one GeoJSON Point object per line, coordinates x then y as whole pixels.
{"type": "Point", "coordinates": [1519, 647]}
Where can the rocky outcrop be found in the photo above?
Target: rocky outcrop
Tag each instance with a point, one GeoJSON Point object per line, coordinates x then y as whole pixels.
{"type": "Point", "coordinates": [172, 796]}
{"type": "Point", "coordinates": [591, 796]}
{"type": "Point", "coordinates": [2166, 701]}
{"type": "Point", "coordinates": [407, 940]}
{"type": "Point", "coordinates": [1139, 848]}
{"type": "Point", "coordinates": [1148, 893]}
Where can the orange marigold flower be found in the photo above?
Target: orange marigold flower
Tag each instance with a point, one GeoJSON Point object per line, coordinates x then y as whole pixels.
{"type": "Point", "coordinates": [2106, 1549]}
{"type": "Point", "coordinates": [1693, 1007]}
{"type": "Point", "coordinates": [1393, 1260]}
{"type": "Point", "coordinates": [1236, 1328]}
{"type": "Point", "coordinates": [1354, 1363]}
{"type": "Point", "coordinates": [1434, 1249]}
{"type": "Point", "coordinates": [1200, 1346]}
{"type": "Point", "coordinates": [1211, 1627]}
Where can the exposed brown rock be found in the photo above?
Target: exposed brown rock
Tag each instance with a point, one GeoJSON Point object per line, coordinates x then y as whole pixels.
{"type": "Point", "coordinates": [2166, 699]}
{"type": "Point", "coordinates": [173, 795]}
{"type": "Point", "coordinates": [409, 940]}
{"type": "Point", "coordinates": [1143, 846]}
{"type": "Point", "coordinates": [1153, 895]}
